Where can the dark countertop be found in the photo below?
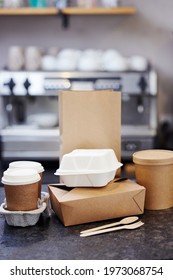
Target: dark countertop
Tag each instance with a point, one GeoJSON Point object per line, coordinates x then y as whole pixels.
{"type": "Point", "coordinates": [49, 239]}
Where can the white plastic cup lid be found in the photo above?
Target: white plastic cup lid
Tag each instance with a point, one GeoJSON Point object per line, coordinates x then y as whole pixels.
{"type": "Point", "coordinates": [27, 165]}
{"type": "Point", "coordinates": [18, 177]}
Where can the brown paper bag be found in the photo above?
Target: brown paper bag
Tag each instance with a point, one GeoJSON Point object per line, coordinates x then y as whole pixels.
{"type": "Point", "coordinates": [90, 120]}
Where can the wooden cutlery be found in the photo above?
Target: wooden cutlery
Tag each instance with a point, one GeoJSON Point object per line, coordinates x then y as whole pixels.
{"type": "Point", "coordinates": [126, 223]}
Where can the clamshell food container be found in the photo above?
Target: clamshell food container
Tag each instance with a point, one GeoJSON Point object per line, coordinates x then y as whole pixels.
{"type": "Point", "coordinates": [88, 167]}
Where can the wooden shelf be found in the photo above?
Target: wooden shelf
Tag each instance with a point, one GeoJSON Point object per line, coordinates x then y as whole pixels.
{"type": "Point", "coordinates": [28, 11]}
{"type": "Point", "coordinates": [67, 11]}
{"type": "Point", "coordinates": [99, 11]}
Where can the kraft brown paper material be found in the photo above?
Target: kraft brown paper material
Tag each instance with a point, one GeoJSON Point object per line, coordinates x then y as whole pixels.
{"type": "Point", "coordinates": [82, 205]}
{"type": "Point", "coordinates": [40, 185]}
{"type": "Point", "coordinates": [158, 181]}
{"type": "Point", "coordinates": [90, 120]}
{"type": "Point", "coordinates": [21, 197]}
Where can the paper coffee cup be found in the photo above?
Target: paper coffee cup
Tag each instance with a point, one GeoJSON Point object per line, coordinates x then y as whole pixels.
{"type": "Point", "coordinates": [29, 165]}
{"type": "Point", "coordinates": [21, 189]}
{"type": "Point", "coordinates": [154, 171]}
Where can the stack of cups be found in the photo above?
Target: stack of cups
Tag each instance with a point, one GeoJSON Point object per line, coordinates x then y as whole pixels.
{"type": "Point", "coordinates": [22, 183]}
{"type": "Point", "coordinates": [29, 165]}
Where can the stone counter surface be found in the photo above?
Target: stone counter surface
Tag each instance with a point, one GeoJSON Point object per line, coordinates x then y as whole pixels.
{"type": "Point", "coordinates": [49, 239]}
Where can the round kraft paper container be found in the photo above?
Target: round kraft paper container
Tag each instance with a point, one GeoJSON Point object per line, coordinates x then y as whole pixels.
{"type": "Point", "coordinates": [21, 197]}
{"type": "Point", "coordinates": [154, 171]}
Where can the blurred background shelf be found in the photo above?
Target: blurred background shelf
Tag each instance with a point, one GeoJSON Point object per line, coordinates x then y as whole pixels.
{"type": "Point", "coordinates": [68, 11]}
{"type": "Point", "coordinates": [98, 11]}
{"type": "Point", "coordinates": [28, 11]}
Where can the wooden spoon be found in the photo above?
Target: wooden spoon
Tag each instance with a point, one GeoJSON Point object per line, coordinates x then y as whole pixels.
{"type": "Point", "coordinates": [124, 221]}
{"type": "Point", "coordinates": [131, 226]}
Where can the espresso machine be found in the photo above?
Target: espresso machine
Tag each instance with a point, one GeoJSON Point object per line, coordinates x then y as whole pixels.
{"type": "Point", "coordinates": [29, 109]}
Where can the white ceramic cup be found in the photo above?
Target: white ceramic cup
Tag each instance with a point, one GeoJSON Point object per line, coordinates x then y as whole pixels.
{"type": "Point", "coordinates": [12, 3]}
{"type": "Point", "coordinates": [110, 3]}
{"type": "Point", "coordinates": [15, 59]}
{"type": "Point", "coordinates": [32, 58]}
{"type": "Point", "coordinates": [48, 62]}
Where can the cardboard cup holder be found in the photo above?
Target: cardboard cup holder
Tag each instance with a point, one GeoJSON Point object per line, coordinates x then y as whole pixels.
{"type": "Point", "coordinates": [26, 218]}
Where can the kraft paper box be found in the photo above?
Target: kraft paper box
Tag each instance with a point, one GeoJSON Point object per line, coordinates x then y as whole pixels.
{"type": "Point", "coordinates": [83, 205]}
{"type": "Point", "coordinates": [90, 120]}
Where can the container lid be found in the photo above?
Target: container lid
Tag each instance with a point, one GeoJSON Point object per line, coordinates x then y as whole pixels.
{"type": "Point", "coordinates": [153, 157]}
{"type": "Point", "coordinates": [16, 177]}
{"type": "Point", "coordinates": [60, 172]}
{"type": "Point", "coordinates": [27, 165]}
{"type": "Point", "coordinates": [88, 161]}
